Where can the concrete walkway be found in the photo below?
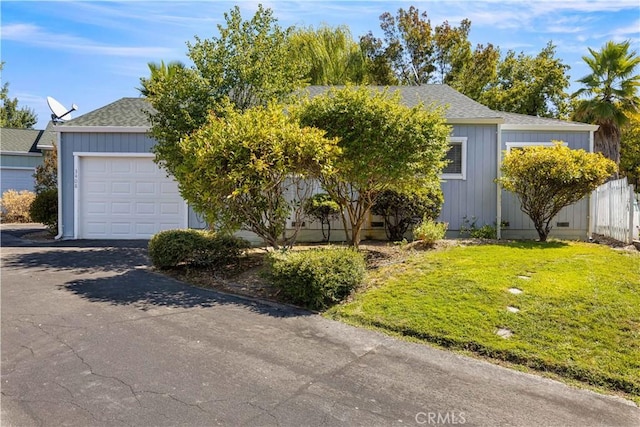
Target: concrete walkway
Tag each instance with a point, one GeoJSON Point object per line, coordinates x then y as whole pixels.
{"type": "Point", "coordinates": [91, 336]}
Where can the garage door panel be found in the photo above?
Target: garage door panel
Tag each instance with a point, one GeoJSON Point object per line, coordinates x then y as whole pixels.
{"type": "Point", "coordinates": [134, 199]}
{"type": "Point", "coordinates": [121, 187]}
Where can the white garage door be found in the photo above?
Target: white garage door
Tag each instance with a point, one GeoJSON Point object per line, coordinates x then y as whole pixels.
{"type": "Point", "coordinates": [17, 179]}
{"type": "Point", "coordinates": [126, 198]}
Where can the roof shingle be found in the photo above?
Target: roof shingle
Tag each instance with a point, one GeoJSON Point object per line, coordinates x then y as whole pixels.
{"type": "Point", "coordinates": [21, 140]}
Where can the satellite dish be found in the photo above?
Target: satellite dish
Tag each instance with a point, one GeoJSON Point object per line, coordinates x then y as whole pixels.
{"type": "Point", "coordinates": [59, 112]}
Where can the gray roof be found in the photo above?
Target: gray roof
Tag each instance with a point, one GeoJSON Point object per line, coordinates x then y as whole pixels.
{"type": "Point", "coordinates": [125, 112]}
{"type": "Point", "coordinates": [22, 140]}
{"type": "Point", "coordinates": [130, 112]}
{"type": "Point", "coordinates": [525, 120]}
{"type": "Point", "coordinates": [459, 106]}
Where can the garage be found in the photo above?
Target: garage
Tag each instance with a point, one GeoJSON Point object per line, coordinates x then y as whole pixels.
{"type": "Point", "coordinates": [124, 196]}
{"type": "Point", "coordinates": [16, 178]}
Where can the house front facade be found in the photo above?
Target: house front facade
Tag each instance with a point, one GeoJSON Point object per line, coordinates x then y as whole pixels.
{"type": "Point", "coordinates": [111, 188]}
{"type": "Point", "coordinates": [21, 151]}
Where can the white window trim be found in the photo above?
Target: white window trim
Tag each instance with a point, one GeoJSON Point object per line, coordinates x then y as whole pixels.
{"type": "Point", "coordinates": [461, 176]}
{"type": "Point", "coordinates": [511, 145]}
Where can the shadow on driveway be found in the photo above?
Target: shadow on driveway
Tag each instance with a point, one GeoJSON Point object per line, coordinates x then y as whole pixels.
{"type": "Point", "coordinates": [146, 290]}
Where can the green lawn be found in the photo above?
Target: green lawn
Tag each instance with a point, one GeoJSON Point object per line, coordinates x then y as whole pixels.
{"type": "Point", "coordinates": [579, 311]}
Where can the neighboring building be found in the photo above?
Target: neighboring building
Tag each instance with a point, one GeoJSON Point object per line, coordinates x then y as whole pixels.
{"type": "Point", "coordinates": [111, 188]}
{"type": "Point", "coordinates": [20, 154]}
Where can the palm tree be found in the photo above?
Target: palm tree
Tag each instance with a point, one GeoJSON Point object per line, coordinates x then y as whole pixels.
{"type": "Point", "coordinates": [611, 91]}
{"type": "Point", "coordinates": [158, 71]}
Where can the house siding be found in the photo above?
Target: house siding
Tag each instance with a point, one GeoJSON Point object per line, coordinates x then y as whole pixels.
{"type": "Point", "coordinates": [98, 143]}
{"type": "Point", "coordinates": [17, 161]}
{"type": "Point", "coordinates": [476, 195]}
{"type": "Point", "coordinates": [577, 215]}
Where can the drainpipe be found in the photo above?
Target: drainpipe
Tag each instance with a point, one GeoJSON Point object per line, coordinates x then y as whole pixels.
{"type": "Point", "coordinates": [59, 166]}
{"type": "Point", "coordinates": [498, 189]}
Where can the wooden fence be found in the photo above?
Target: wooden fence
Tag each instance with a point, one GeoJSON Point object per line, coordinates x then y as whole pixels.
{"type": "Point", "coordinates": [615, 211]}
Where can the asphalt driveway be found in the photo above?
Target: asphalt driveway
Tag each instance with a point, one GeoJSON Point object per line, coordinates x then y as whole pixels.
{"type": "Point", "coordinates": [91, 336]}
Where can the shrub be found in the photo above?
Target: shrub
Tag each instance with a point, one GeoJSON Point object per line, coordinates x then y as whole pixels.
{"type": "Point", "coordinates": [316, 278]}
{"type": "Point", "coordinates": [400, 211]}
{"type": "Point", "coordinates": [44, 208]}
{"type": "Point", "coordinates": [430, 231]}
{"type": "Point", "coordinates": [194, 248]}
{"type": "Point", "coordinates": [470, 228]}
{"type": "Point", "coordinates": [15, 205]}
{"type": "Point", "coordinates": [323, 208]}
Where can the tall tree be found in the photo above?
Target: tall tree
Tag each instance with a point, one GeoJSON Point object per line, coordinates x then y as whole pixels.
{"type": "Point", "coordinates": [384, 145]}
{"type": "Point", "coordinates": [159, 71]}
{"type": "Point", "coordinates": [11, 116]}
{"type": "Point", "coordinates": [452, 50]}
{"type": "Point", "coordinates": [611, 91]}
{"type": "Point", "coordinates": [407, 49]}
{"type": "Point", "coordinates": [248, 64]}
{"type": "Point", "coordinates": [331, 55]}
{"type": "Point", "coordinates": [630, 150]}
{"type": "Point", "coordinates": [476, 75]}
{"type": "Point", "coordinates": [529, 85]}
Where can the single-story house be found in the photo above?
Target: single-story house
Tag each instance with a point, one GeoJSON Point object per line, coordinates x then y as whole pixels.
{"type": "Point", "coordinates": [111, 188]}
{"type": "Point", "coordinates": [21, 151]}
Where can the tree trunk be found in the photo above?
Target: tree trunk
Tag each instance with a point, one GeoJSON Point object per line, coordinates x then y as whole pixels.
{"type": "Point", "coordinates": [607, 141]}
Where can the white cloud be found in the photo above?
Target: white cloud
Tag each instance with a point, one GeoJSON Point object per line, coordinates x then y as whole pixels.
{"type": "Point", "coordinates": [37, 36]}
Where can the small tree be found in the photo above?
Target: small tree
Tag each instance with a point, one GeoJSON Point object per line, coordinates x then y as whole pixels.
{"type": "Point", "coordinates": [400, 211]}
{"type": "Point", "coordinates": [384, 145]}
{"type": "Point", "coordinates": [44, 208]}
{"type": "Point", "coordinates": [250, 171]}
{"type": "Point", "coordinates": [323, 208]}
{"type": "Point", "coordinates": [547, 179]}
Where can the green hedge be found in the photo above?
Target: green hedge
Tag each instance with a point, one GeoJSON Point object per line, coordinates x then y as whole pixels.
{"type": "Point", "coordinates": [44, 209]}
{"type": "Point", "coordinates": [316, 278]}
{"type": "Point", "coordinates": [194, 248]}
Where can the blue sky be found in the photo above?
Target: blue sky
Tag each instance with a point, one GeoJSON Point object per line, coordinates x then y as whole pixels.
{"type": "Point", "coordinates": [92, 53]}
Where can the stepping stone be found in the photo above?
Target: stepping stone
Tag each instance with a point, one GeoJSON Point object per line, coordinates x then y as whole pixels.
{"type": "Point", "coordinates": [516, 291]}
{"type": "Point", "coordinates": [513, 309]}
{"type": "Point", "coordinates": [504, 333]}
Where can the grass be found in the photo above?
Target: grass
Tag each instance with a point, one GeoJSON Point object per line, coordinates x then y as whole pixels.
{"type": "Point", "coordinates": [579, 311]}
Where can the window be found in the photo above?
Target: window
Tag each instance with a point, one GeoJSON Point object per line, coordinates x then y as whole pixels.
{"type": "Point", "coordinates": [457, 158]}
{"type": "Point", "coordinates": [516, 145]}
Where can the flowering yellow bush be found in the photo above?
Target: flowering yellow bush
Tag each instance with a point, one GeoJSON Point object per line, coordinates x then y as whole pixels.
{"type": "Point", "coordinates": [15, 205]}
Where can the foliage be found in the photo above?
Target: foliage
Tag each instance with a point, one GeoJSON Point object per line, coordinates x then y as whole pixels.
{"type": "Point", "coordinates": [413, 52]}
{"type": "Point", "coordinates": [46, 175]}
{"type": "Point", "coordinates": [576, 318]}
{"type": "Point", "coordinates": [630, 150]}
{"type": "Point", "coordinates": [429, 231]}
{"type": "Point", "coordinates": [248, 64]}
{"type": "Point", "coordinates": [547, 179]}
{"type": "Point", "coordinates": [251, 170]}
{"type": "Point", "coordinates": [44, 208]}
{"type": "Point", "coordinates": [529, 85]}
{"type": "Point", "coordinates": [330, 55]}
{"type": "Point", "coordinates": [323, 208]}
{"type": "Point", "coordinates": [194, 248]}
{"type": "Point", "coordinates": [384, 145]}
{"type": "Point", "coordinates": [612, 94]}
{"type": "Point", "coordinates": [15, 205]}
{"type": "Point", "coordinates": [10, 115]}
{"type": "Point", "coordinates": [316, 278]}
{"type": "Point", "coordinates": [402, 210]}
{"type": "Point", "coordinates": [469, 227]}
{"type": "Point", "coordinates": [158, 73]}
